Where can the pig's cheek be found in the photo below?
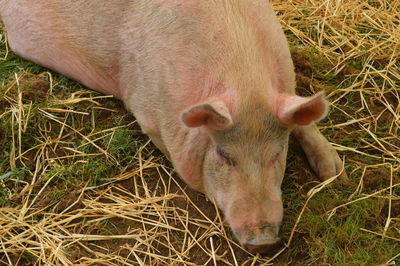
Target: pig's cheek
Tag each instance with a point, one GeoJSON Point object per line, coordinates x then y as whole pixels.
{"type": "Point", "coordinates": [219, 182]}
{"type": "Point", "coordinates": [279, 170]}
{"type": "Point", "coordinates": [280, 162]}
{"type": "Point", "coordinates": [218, 178]}
{"type": "Point", "coordinates": [222, 200]}
{"type": "Point", "coordinates": [210, 176]}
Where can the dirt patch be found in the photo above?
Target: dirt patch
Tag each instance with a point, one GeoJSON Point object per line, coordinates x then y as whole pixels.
{"type": "Point", "coordinates": [35, 89]}
{"type": "Point", "coordinates": [395, 209]}
{"type": "Point", "coordinates": [31, 86]}
{"type": "Point", "coordinates": [379, 178]}
{"type": "Point", "coordinates": [306, 85]}
{"type": "Point", "coordinates": [67, 200]}
{"type": "Point", "coordinates": [200, 209]}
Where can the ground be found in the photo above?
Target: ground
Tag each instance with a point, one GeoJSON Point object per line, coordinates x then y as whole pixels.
{"type": "Point", "coordinates": [80, 184]}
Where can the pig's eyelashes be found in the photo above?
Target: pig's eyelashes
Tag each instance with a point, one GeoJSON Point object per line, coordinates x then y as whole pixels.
{"type": "Point", "coordinates": [225, 156]}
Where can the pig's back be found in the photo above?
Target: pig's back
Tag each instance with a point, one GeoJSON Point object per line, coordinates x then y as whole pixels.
{"type": "Point", "coordinates": [76, 38]}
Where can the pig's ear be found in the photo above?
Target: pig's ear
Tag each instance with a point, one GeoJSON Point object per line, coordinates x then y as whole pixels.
{"type": "Point", "coordinates": [214, 115]}
{"type": "Point", "coordinates": [301, 111]}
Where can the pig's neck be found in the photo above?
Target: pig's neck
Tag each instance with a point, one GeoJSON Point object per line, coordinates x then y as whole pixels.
{"type": "Point", "coordinates": [188, 150]}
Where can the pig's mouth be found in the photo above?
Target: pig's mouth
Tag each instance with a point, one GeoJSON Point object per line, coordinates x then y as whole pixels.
{"type": "Point", "coordinates": [263, 239]}
{"type": "Point", "coordinates": [262, 246]}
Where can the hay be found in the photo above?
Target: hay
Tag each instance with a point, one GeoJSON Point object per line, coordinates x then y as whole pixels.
{"type": "Point", "coordinates": [139, 214]}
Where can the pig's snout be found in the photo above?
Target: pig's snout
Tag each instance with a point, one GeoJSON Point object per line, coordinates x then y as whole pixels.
{"type": "Point", "coordinates": [256, 223]}
{"type": "Point", "coordinates": [262, 239]}
{"type": "Point", "coordinates": [262, 245]}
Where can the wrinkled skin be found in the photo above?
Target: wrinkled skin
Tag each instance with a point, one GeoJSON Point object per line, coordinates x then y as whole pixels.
{"type": "Point", "coordinates": [211, 82]}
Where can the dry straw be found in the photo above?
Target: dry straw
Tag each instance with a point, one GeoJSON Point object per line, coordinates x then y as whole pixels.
{"type": "Point", "coordinates": [158, 224]}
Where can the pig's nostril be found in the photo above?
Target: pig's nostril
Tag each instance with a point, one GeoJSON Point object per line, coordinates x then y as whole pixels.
{"type": "Point", "coordinates": [262, 246]}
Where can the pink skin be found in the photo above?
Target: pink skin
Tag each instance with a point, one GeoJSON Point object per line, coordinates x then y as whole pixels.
{"type": "Point", "coordinates": [211, 82]}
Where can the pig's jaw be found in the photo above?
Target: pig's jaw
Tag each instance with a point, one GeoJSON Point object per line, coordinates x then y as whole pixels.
{"type": "Point", "coordinates": [188, 158]}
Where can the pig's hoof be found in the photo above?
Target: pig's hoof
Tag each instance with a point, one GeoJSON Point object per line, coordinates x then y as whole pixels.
{"type": "Point", "coordinates": [326, 163]}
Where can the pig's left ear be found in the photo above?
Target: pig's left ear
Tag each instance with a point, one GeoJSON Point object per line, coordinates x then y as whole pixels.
{"type": "Point", "coordinates": [214, 115]}
{"type": "Point", "coordinates": [301, 111]}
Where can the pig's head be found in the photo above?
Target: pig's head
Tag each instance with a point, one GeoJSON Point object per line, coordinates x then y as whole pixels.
{"type": "Point", "coordinates": [245, 160]}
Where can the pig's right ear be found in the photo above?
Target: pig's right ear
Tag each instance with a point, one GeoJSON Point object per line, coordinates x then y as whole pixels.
{"type": "Point", "coordinates": [214, 115]}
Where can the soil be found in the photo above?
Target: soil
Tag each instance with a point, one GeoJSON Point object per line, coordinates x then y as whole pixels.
{"type": "Point", "coordinates": [379, 178]}
{"type": "Point", "coordinates": [305, 84]}
{"type": "Point", "coordinates": [197, 255]}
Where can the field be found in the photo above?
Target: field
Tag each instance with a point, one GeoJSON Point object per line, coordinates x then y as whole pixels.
{"type": "Point", "coordinates": [80, 184]}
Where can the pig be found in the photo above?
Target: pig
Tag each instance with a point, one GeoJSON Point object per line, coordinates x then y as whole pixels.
{"type": "Point", "coordinates": [212, 83]}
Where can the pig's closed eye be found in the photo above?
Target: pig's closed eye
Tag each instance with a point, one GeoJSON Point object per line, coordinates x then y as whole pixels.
{"type": "Point", "coordinates": [225, 156]}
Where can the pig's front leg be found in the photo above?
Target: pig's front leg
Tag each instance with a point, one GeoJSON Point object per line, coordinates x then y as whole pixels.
{"type": "Point", "coordinates": [322, 157]}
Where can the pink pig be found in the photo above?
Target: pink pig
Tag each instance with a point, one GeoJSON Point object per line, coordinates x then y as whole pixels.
{"type": "Point", "coordinates": [210, 82]}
